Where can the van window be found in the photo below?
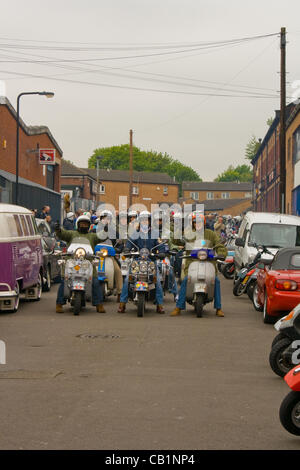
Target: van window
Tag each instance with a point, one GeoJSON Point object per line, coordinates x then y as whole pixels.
{"type": "Point", "coordinates": [8, 226]}
{"type": "Point", "coordinates": [275, 235]}
{"type": "Point", "coordinates": [18, 225]}
{"type": "Point", "coordinates": [24, 225]}
{"type": "Point", "coordinates": [30, 226]}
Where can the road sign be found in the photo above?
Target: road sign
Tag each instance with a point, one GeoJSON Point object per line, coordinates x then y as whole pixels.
{"type": "Point", "coordinates": [47, 156]}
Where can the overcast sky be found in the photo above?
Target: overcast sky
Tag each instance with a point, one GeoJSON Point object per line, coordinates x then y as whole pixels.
{"type": "Point", "coordinates": [137, 39]}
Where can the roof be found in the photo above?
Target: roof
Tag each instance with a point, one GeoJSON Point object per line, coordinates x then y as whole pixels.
{"type": "Point", "coordinates": [215, 186]}
{"type": "Point", "coordinates": [221, 204]}
{"type": "Point", "coordinates": [12, 178]}
{"type": "Point", "coordinates": [272, 218]}
{"type": "Point", "coordinates": [29, 130]}
{"type": "Point", "coordinates": [13, 209]}
{"type": "Point", "coordinates": [123, 176]}
{"type": "Point", "coordinates": [69, 169]}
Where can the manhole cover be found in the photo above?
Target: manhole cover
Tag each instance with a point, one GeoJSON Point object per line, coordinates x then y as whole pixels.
{"type": "Point", "coordinates": [97, 336]}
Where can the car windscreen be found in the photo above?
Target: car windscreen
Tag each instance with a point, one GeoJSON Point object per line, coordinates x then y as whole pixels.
{"type": "Point", "coordinates": [275, 235]}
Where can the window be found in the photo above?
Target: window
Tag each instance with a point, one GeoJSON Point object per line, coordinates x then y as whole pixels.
{"type": "Point", "coordinates": [30, 225]}
{"type": "Point", "coordinates": [296, 145]}
{"type": "Point", "coordinates": [225, 195]}
{"type": "Point", "coordinates": [24, 225]}
{"type": "Point", "coordinates": [209, 195]}
{"type": "Point", "coordinates": [135, 190]}
{"type": "Point", "coordinates": [289, 149]}
{"type": "Point", "coordinates": [248, 194]}
{"type": "Point", "coordinates": [194, 196]}
{"type": "Point", "coordinates": [275, 235]}
{"type": "Point", "coordinates": [166, 190]}
{"type": "Point", "coordinates": [18, 225]}
{"type": "Point", "coordinates": [102, 188]}
{"type": "Point", "coordinates": [295, 261]}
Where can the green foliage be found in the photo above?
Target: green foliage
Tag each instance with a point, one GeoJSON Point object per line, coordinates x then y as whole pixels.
{"type": "Point", "coordinates": [242, 173]}
{"type": "Point", "coordinates": [117, 158]}
{"type": "Point", "coordinates": [252, 148]}
{"type": "Point", "coordinates": [270, 121]}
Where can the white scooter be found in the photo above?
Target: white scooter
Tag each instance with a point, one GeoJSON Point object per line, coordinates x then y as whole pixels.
{"type": "Point", "coordinates": [201, 278]}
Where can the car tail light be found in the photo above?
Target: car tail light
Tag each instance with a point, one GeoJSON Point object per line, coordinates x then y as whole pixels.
{"type": "Point", "coordinates": [286, 285]}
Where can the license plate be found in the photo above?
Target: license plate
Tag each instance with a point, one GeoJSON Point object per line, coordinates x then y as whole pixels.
{"type": "Point", "coordinates": [141, 286]}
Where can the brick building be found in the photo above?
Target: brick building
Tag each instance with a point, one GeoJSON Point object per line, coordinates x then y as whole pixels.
{"type": "Point", "coordinates": [202, 191]}
{"type": "Point", "coordinates": [147, 188]}
{"type": "Point", "coordinates": [293, 162]}
{"type": "Point", "coordinates": [266, 168]}
{"type": "Point", "coordinates": [80, 185]}
{"type": "Point", "coordinates": [38, 184]}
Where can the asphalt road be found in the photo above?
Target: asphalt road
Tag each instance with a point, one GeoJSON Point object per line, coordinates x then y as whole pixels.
{"type": "Point", "coordinates": [115, 381]}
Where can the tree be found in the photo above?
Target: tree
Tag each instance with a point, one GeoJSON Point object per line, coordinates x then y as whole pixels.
{"type": "Point", "coordinates": [252, 148]}
{"type": "Point", "coordinates": [117, 158]}
{"type": "Point", "coordinates": [242, 173]}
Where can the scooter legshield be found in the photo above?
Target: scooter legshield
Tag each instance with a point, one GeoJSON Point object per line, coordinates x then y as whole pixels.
{"type": "Point", "coordinates": [292, 378]}
{"type": "Point", "coordinates": [200, 273]}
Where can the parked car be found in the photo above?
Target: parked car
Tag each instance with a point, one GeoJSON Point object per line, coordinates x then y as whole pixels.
{"type": "Point", "coordinates": [21, 257]}
{"type": "Point", "coordinates": [278, 284]}
{"type": "Point", "coordinates": [51, 270]}
{"type": "Point", "coordinates": [273, 231]}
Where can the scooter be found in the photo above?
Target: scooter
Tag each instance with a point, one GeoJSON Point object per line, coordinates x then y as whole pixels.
{"type": "Point", "coordinates": [289, 412]}
{"type": "Point", "coordinates": [142, 276]}
{"type": "Point", "coordinates": [78, 273]}
{"type": "Point", "coordinates": [201, 278]}
{"type": "Point", "coordinates": [163, 265]}
{"type": "Point", "coordinates": [282, 356]}
{"type": "Point", "coordinates": [227, 266]}
{"type": "Point", "coordinates": [105, 270]}
{"type": "Point", "coordinates": [244, 276]}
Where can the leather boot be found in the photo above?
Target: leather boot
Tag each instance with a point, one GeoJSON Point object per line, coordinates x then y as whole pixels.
{"type": "Point", "coordinates": [59, 308]}
{"type": "Point", "coordinates": [122, 307]}
{"type": "Point", "coordinates": [219, 312]}
{"type": "Point", "coordinates": [160, 309]}
{"type": "Point", "coordinates": [175, 312]}
{"type": "Point", "coordinates": [100, 308]}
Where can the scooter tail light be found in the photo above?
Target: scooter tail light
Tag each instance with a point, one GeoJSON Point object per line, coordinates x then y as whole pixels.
{"type": "Point", "coordinates": [286, 285]}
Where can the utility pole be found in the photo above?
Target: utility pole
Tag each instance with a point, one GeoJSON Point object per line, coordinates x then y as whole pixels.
{"type": "Point", "coordinates": [282, 144]}
{"type": "Point", "coordinates": [130, 169]}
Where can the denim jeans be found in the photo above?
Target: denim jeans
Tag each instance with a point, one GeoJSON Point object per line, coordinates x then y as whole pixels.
{"type": "Point", "coordinates": [182, 294]}
{"type": "Point", "coordinates": [159, 294]}
{"type": "Point", "coordinates": [97, 297]}
{"type": "Point", "coordinates": [172, 284]}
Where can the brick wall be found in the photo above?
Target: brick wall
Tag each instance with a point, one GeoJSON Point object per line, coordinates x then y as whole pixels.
{"type": "Point", "coordinates": [29, 166]}
{"type": "Point", "coordinates": [217, 194]}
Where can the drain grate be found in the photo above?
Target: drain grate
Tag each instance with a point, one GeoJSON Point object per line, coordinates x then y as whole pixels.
{"type": "Point", "coordinates": [97, 336]}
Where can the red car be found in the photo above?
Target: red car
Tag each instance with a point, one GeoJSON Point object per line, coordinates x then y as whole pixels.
{"type": "Point", "coordinates": [277, 290]}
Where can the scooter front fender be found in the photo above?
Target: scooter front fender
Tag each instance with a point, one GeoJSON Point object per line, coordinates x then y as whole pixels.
{"type": "Point", "coordinates": [292, 378]}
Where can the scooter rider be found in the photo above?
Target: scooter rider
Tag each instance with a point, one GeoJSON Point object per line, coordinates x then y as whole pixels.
{"type": "Point", "coordinates": [141, 238]}
{"type": "Point", "coordinates": [211, 241]}
{"type": "Point", "coordinates": [107, 232]}
{"type": "Point", "coordinates": [82, 230]}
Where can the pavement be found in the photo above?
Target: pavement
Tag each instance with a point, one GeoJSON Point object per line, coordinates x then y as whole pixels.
{"type": "Point", "coordinates": [116, 381]}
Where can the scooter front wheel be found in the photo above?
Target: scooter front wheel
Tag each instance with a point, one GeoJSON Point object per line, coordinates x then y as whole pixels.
{"type": "Point", "coordinates": [238, 288]}
{"type": "Point", "coordinates": [199, 304]}
{"type": "Point", "coordinates": [276, 359]}
{"type": "Point", "coordinates": [141, 304]}
{"type": "Point", "coordinates": [289, 413]}
{"type": "Point", "coordinates": [77, 303]}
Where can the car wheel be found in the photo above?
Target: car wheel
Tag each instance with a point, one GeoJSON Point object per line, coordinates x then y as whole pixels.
{"type": "Point", "coordinates": [47, 283]}
{"type": "Point", "coordinates": [256, 304]}
{"type": "Point", "coordinates": [266, 317]}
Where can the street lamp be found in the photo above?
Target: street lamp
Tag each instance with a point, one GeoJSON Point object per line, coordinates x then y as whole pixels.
{"type": "Point", "coordinates": [48, 94]}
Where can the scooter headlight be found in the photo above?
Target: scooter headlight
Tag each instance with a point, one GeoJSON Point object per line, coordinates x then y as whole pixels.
{"type": "Point", "coordinates": [80, 253]}
{"type": "Point", "coordinates": [152, 267]}
{"type": "Point", "coordinates": [134, 267]}
{"type": "Point", "coordinates": [143, 267]}
{"type": "Point", "coordinates": [202, 255]}
{"type": "Point", "coordinates": [103, 252]}
{"type": "Point", "coordinates": [144, 253]}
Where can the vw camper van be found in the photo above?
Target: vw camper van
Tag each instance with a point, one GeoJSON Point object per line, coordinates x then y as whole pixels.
{"type": "Point", "coordinates": [21, 257]}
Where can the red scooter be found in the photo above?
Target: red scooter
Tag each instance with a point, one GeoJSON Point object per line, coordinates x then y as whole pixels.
{"type": "Point", "coordinates": [289, 412]}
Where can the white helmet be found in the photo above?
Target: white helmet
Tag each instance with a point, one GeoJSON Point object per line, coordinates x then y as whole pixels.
{"type": "Point", "coordinates": [132, 213]}
{"type": "Point", "coordinates": [106, 213]}
{"type": "Point", "coordinates": [70, 215]}
{"type": "Point", "coordinates": [83, 218]}
{"type": "Point", "coordinates": [145, 215]}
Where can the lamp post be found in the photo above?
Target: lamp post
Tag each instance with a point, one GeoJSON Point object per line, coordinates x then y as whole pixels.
{"type": "Point", "coordinates": [99, 157]}
{"type": "Point", "coordinates": [48, 94]}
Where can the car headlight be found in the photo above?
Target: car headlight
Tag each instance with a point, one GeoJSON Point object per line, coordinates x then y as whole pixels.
{"type": "Point", "coordinates": [143, 267]}
{"type": "Point", "coordinates": [103, 252]}
{"type": "Point", "coordinates": [134, 267]}
{"type": "Point", "coordinates": [80, 253]}
{"type": "Point", "coordinates": [202, 255]}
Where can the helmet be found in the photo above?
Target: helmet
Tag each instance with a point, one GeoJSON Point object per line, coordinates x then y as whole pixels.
{"type": "Point", "coordinates": [145, 215]}
{"type": "Point", "coordinates": [70, 215]}
{"type": "Point", "coordinates": [197, 215]}
{"type": "Point", "coordinates": [132, 213]}
{"type": "Point", "coordinates": [105, 213]}
{"type": "Point", "coordinates": [83, 218]}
